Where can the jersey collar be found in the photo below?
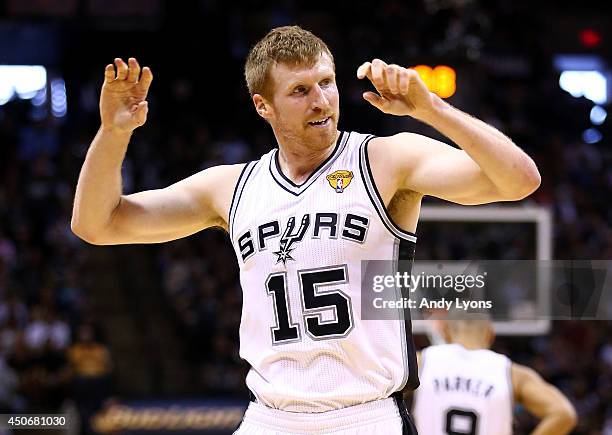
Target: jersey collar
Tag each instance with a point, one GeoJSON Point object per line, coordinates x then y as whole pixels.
{"type": "Point", "coordinates": [296, 189]}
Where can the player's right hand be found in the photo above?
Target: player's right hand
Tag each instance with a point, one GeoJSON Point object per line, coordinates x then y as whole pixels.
{"type": "Point", "coordinates": [123, 104]}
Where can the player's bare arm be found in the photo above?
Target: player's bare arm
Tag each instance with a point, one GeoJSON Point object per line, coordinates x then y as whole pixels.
{"type": "Point", "coordinates": [489, 166]}
{"type": "Point", "coordinates": [102, 214]}
{"type": "Point", "coordinates": [556, 413]}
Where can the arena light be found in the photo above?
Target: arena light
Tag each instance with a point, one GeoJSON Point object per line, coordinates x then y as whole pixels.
{"type": "Point", "coordinates": [591, 136]}
{"type": "Point", "coordinates": [578, 62]}
{"type": "Point", "coordinates": [40, 98]}
{"type": "Point", "coordinates": [588, 84]}
{"type": "Point", "coordinates": [24, 81]}
{"type": "Point", "coordinates": [58, 98]}
{"type": "Point", "coordinates": [590, 38]}
{"type": "Point", "coordinates": [441, 80]}
{"type": "Point", "coordinates": [598, 115]}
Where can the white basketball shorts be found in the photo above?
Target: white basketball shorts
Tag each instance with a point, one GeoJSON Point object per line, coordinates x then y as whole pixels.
{"type": "Point", "coordinates": [381, 417]}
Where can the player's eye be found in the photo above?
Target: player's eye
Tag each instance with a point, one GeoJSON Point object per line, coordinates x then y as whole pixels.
{"type": "Point", "coordinates": [299, 90]}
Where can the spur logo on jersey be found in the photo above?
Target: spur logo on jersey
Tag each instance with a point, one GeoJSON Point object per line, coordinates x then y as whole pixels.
{"type": "Point", "coordinates": [339, 180]}
{"type": "Point", "coordinates": [314, 226]}
{"type": "Point", "coordinates": [290, 238]}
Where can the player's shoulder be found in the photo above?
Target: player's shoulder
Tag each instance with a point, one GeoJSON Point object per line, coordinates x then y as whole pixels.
{"type": "Point", "coordinates": [370, 145]}
{"type": "Point", "coordinates": [436, 355]}
{"type": "Point", "coordinates": [215, 186]}
{"type": "Point", "coordinates": [216, 183]}
{"type": "Point", "coordinates": [495, 355]}
{"type": "Point", "coordinates": [220, 175]}
{"type": "Point", "coordinates": [404, 144]}
{"type": "Point", "coordinates": [229, 170]}
{"type": "Point", "coordinates": [440, 350]}
{"type": "Point", "coordinates": [232, 173]}
{"type": "Point", "coordinates": [521, 373]}
{"type": "Point", "coordinates": [444, 347]}
{"type": "Point", "coordinates": [520, 376]}
{"type": "Point", "coordinates": [447, 349]}
{"type": "Point", "coordinates": [398, 153]}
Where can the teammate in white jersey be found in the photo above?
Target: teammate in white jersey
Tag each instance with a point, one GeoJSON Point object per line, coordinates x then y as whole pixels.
{"type": "Point", "coordinates": [300, 234]}
{"type": "Point", "coordinates": [468, 389]}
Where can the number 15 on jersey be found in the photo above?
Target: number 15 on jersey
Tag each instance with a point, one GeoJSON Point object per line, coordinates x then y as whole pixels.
{"type": "Point", "coordinates": [316, 298]}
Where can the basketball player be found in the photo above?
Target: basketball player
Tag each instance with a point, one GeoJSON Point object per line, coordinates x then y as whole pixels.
{"type": "Point", "coordinates": [299, 240]}
{"type": "Point", "coordinates": [467, 389]}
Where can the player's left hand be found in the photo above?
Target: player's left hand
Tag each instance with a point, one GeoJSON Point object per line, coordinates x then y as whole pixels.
{"type": "Point", "coordinates": [400, 90]}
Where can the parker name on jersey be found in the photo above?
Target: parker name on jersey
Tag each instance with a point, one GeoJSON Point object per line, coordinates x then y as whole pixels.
{"type": "Point", "coordinates": [463, 391]}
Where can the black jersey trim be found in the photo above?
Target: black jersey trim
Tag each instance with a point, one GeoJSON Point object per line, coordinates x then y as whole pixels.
{"type": "Point", "coordinates": [244, 168]}
{"type": "Point", "coordinates": [408, 426]}
{"type": "Point", "coordinates": [375, 198]}
{"type": "Point", "coordinates": [405, 259]}
{"type": "Point", "coordinates": [242, 179]}
{"type": "Point", "coordinates": [297, 189]}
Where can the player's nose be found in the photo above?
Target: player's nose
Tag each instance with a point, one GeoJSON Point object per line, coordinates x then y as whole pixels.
{"type": "Point", "coordinates": [319, 100]}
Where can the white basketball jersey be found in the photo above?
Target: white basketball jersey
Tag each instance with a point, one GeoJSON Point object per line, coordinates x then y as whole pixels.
{"type": "Point", "coordinates": [463, 392]}
{"type": "Point", "coordinates": [299, 249]}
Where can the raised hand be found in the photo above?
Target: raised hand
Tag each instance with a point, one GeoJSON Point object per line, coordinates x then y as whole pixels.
{"type": "Point", "coordinates": [123, 104]}
{"type": "Point", "coordinates": [400, 90]}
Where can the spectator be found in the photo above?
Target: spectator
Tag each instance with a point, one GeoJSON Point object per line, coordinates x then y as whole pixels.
{"type": "Point", "coordinates": [91, 368]}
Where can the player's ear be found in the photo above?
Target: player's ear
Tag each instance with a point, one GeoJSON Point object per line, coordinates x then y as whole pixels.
{"type": "Point", "coordinates": [262, 106]}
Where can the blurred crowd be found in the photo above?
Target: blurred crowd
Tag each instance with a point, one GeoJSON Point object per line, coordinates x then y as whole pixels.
{"type": "Point", "coordinates": [51, 341]}
{"type": "Point", "coordinates": [47, 340]}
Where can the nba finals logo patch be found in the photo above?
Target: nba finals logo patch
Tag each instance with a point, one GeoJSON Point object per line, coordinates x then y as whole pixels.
{"type": "Point", "coordinates": [339, 180]}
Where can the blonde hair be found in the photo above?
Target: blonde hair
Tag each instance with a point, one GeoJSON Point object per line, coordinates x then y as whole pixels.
{"type": "Point", "coordinates": [290, 45]}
